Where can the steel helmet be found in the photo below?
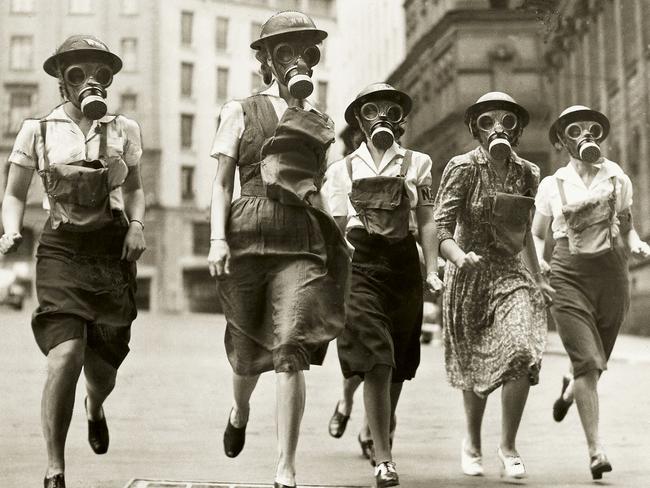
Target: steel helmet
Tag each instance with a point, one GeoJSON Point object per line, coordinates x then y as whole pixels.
{"type": "Point", "coordinates": [79, 47]}
{"type": "Point", "coordinates": [497, 100]}
{"type": "Point", "coordinates": [575, 113]}
{"type": "Point", "coordinates": [377, 90]}
{"type": "Point", "coordinates": [288, 22]}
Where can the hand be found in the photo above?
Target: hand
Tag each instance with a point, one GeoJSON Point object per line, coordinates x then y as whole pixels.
{"type": "Point", "coordinates": [640, 249]}
{"type": "Point", "coordinates": [134, 244]}
{"type": "Point", "coordinates": [219, 258]}
{"type": "Point", "coordinates": [10, 242]}
{"type": "Point", "coordinates": [548, 292]}
{"type": "Point", "coordinates": [469, 261]}
{"type": "Point", "coordinates": [434, 284]}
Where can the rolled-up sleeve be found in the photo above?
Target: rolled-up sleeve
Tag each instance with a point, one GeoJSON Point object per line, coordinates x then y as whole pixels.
{"type": "Point", "coordinates": [627, 191]}
{"type": "Point", "coordinates": [450, 200]}
{"type": "Point", "coordinates": [133, 144]}
{"type": "Point", "coordinates": [24, 149]}
{"type": "Point", "coordinates": [543, 197]}
{"type": "Point", "coordinates": [229, 131]}
{"type": "Point", "coordinates": [336, 188]}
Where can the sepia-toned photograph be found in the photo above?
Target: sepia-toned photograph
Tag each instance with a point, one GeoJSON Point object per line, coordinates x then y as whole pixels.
{"type": "Point", "coordinates": [396, 209]}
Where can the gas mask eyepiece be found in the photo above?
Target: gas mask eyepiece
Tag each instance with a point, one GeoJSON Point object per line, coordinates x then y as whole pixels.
{"type": "Point", "coordinates": [497, 128]}
{"type": "Point", "coordinates": [379, 120]}
{"type": "Point", "coordinates": [293, 63]}
{"type": "Point", "coordinates": [582, 135]}
{"type": "Point", "coordinates": [90, 87]}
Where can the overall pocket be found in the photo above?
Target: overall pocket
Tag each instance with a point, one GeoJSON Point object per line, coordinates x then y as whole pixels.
{"type": "Point", "coordinates": [509, 221]}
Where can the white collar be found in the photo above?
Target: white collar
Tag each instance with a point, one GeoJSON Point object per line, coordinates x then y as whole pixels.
{"type": "Point", "coordinates": [363, 153]}
{"type": "Point", "coordinates": [606, 169]}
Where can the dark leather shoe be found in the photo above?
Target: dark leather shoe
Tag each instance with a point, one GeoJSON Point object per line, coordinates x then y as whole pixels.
{"type": "Point", "coordinates": [599, 464]}
{"type": "Point", "coordinates": [338, 422]}
{"type": "Point", "coordinates": [233, 439]}
{"type": "Point", "coordinates": [385, 475]}
{"type": "Point", "coordinates": [56, 481]}
{"type": "Point", "coordinates": [280, 485]}
{"type": "Point", "coordinates": [97, 432]}
{"type": "Point", "coordinates": [367, 449]}
{"type": "Point", "coordinates": [561, 406]}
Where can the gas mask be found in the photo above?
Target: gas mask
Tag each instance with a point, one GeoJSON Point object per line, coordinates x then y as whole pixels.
{"type": "Point", "coordinates": [86, 85]}
{"type": "Point", "coordinates": [379, 120]}
{"type": "Point", "coordinates": [497, 129]}
{"type": "Point", "coordinates": [580, 140]}
{"type": "Point", "coordinates": [292, 63]}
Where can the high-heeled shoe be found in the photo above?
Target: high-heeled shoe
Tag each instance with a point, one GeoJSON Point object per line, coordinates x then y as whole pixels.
{"type": "Point", "coordinates": [338, 422]}
{"type": "Point", "coordinates": [97, 432]}
{"type": "Point", "coordinates": [471, 464]}
{"type": "Point", "coordinates": [234, 438]}
{"type": "Point", "coordinates": [367, 449]}
{"type": "Point", "coordinates": [598, 465]}
{"type": "Point", "coordinates": [56, 481]}
{"type": "Point", "coordinates": [280, 485]}
{"type": "Point", "coordinates": [561, 406]}
{"type": "Point", "coordinates": [511, 466]}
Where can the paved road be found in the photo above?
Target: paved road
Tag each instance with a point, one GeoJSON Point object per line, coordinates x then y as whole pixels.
{"type": "Point", "coordinates": [173, 395]}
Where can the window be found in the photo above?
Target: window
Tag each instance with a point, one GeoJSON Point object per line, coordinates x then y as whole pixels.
{"type": "Point", "coordinates": [21, 52]}
{"type": "Point", "coordinates": [256, 82]}
{"type": "Point", "coordinates": [187, 182]}
{"type": "Point", "coordinates": [21, 102]}
{"type": "Point", "coordinates": [130, 53]}
{"type": "Point", "coordinates": [22, 6]}
{"type": "Point", "coordinates": [187, 128]}
{"type": "Point", "coordinates": [222, 33]}
{"type": "Point", "coordinates": [187, 18]}
{"type": "Point", "coordinates": [320, 7]}
{"type": "Point", "coordinates": [222, 84]}
{"type": "Point", "coordinates": [80, 6]}
{"type": "Point", "coordinates": [128, 102]}
{"type": "Point", "coordinates": [322, 94]}
{"type": "Point", "coordinates": [187, 73]}
{"type": "Point", "coordinates": [129, 7]}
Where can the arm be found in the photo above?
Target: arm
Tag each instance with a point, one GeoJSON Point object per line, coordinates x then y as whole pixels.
{"type": "Point", "coordinates": [429, 244]}
{"type": "Point", "coordinates": [13, 206]}
{"type": "Point", "coordinates": [637, 247]}
{"type": "Point", "coordinates": [222, 188]}
{"type": "Point", "coordinates": [133, 194]}
{"type": "Point", "coordinates": [538, 233]}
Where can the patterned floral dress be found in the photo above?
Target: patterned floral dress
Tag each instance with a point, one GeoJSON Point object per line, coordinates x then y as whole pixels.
{"type": "Point", "coordinates": [494, 317]}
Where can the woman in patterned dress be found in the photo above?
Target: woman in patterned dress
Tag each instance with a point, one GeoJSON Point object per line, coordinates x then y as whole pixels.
{"type": "Point", "coordinates": [493, 312]}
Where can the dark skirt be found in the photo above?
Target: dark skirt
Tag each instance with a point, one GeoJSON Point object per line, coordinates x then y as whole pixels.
{"type": "Point", "coordinates": [384, 310]}
{"type": "Point", "coordinates": [85, 291]}
{"type": "Point", "coordinates": [592, 300]}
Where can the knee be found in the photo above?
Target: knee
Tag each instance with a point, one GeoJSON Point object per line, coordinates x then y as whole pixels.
{"type": "Point", "coordinates": [66, 358]}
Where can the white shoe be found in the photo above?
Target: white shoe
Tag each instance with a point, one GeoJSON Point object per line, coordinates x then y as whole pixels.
{"type": "Point", "coordinates": [470, 464]}
{"type": "Point", "coordinates": [511, 466]}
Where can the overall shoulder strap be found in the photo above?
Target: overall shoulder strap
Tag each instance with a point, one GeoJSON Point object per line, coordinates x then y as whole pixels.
{"type": "Point", "coordinates": [560, 187]}
{"type": "Point", "coordinates": [46, 159]}
{"type": "Point", "coordinates": [406, 164]}
{"type": "Point", "coordinates": [103, 136]}
{"type": "Point", "coordinates": [348, 165]}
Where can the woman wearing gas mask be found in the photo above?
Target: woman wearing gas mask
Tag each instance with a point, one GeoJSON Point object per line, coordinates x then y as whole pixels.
{"type": "Point", "coordinates": [281, 262]}
{"type": "Point", "coordinates": [589, 202]}
{"type": "Point", "coordinates": [85, 272]}
{"type": "Point", "coordinates": [381, 195]}
{"type": "Point", "coordinates": [494, 315]}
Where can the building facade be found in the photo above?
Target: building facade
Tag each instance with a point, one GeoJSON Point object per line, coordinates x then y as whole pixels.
{"type": "Point", "coordinates": [182, 60]}
{"type": "Point", "coordinates": [597, 55]}
{"type": "Point", "coordinates": [458, 50]}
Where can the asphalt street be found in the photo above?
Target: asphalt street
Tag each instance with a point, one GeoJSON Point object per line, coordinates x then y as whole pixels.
{"type": "Point", "coordinates": [167, 414]}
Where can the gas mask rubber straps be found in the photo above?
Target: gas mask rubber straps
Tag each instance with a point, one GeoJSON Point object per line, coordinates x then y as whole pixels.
{"type": "Point", "coordinates": [85, 85]}
{"type": "Point", "coordinates": [379, 121]}
{"type": "Point", "coordinates": [293, 60]}
{"type": "Point", "coordinates": [497, 131]}
{"type": "Point", "coordinates": [580, 138]}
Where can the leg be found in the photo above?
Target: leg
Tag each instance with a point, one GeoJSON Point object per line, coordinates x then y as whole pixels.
{"type": "Point", "coordinates": [586, 395]}
{"type": "Point", "coordinates": [474, 409]}
{"type": "Point", "coordinates": [350, 386]}
{"type": "Point", "coordinates": [377, 400]}
{"type": "Point", "coordinates": [100, 381]}
{"type": "Point", "coordinates": [290, 401]}
{"type": "Point", "coordinates": [64, 363]}
{"type": "Point", "coordinates": [513, 401]}
{"type": "Point", "coordinates": [395, 392]}
{"type": "Point", "coordinates": [243, 387]}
